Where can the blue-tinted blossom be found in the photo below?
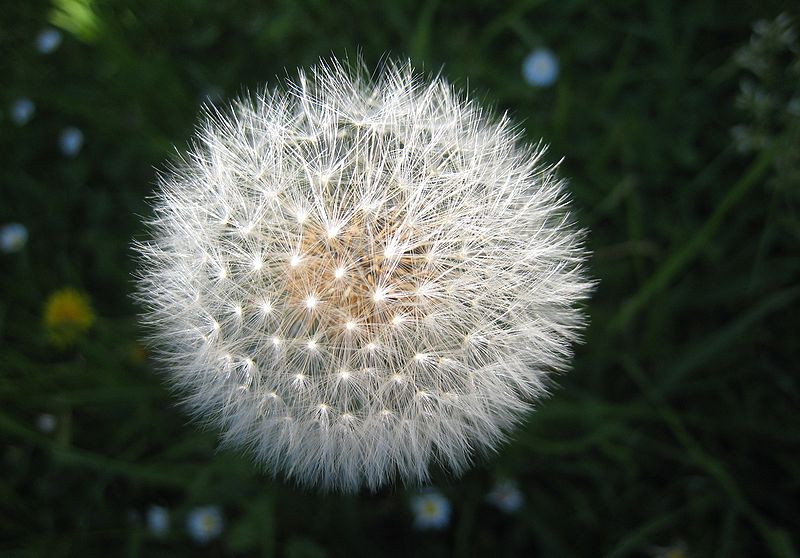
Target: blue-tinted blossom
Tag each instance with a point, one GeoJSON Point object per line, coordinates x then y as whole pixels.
{"type": "Point", "coordinates": [506, 496]}
{"type": "Point", "coordinates": [21, 111]}
{"type": "Point", "coordinates": [70, 141]}
{"type": "Point", "coordinates": [48, 40]}
{"type": "Point", "coordinates": [157, 520]}
{"type": "Point", "coordinates": [204, 523]}
{"type": "Point", "coordinates": [13, 237]}
{"type": "Point", "coordinates": [540, 68]}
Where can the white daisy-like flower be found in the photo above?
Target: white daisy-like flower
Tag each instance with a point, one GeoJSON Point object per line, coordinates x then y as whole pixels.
{"type": "Point", "coordinates": [431, 511]}
{"type": "Point", "coordinates": [21, 111]}
{"type": "Point", "coordinates": [48, 40]}
{"type": "Point", "coordinates": [204, 523]}
{"type": "Point", "coordinates": [46, 423]}
{"type": "Point", "coordinates": [70, 141]}
{"type": "Point", "coordinates": [506, 496]}
{"type": "Point", "coordinates": [13, 237]}
{"type": "Point", "coordinates": [360, 278]}
{"type": "Point", "coordinates": [540, 68]}
{"type": "Point", "coordinates": [157, 520]}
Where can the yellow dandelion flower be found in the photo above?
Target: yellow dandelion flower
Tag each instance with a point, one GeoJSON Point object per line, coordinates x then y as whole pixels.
{"type": "Point", "coordinates": [137, 354]}
{"type": "Point", "coordinates": [67, 314]}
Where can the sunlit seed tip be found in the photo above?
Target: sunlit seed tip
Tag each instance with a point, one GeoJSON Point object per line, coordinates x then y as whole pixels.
{"type": "Point", "coordinates": [294, 261]}
{"type": "Point", "coordinates": [266, 307]}
{"type": "Point", "coordinates": [311, 302]}
{"type": "Point", "coordinates": [420, 357]}
{"type": "Point", "coordinates": [344, 374]}
{"type": "Point", "coordinates": [339, 273]}
{"type": "Point", "coordinates": [379, 295]}
{"type": "Point", "coordinates": [350, 326]}
{"type": "Point", "coordinates": [397, 320]}
{"type": "Point", "coordinates": [371, 346]}
{"type": "Point", "coordinates": [276, 340]}
{"type": "Point", "coordinates": [312, 344]}
{"type": "Point", "coordinates": [257, 264]}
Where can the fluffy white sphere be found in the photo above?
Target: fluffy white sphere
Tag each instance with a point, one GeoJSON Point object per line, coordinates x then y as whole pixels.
{"type": "Point", "coordinates": [358, 277]}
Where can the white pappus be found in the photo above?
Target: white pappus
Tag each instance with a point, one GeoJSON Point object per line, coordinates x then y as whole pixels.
{"type": "Point", "coordinates": [357, 277]}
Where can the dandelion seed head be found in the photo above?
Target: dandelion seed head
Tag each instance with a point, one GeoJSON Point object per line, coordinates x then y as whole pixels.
{"type": "Point", "coordinates": [388, 219]}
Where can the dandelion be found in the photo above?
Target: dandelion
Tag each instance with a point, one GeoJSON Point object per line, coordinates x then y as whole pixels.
{"type": "Point", "coordinates": [70, 141]}
{"type": "Point", "coordinates": [13, 237]}
{"type": "Point", "coordinates": [204, 523]}
{"type": "Point", "coordinates": [46, 423]}
{"type": "Point", "coordinates": [157, 520]}
{"type": "Point", "coordinates": [506, 497]}
{"type": "Point", "coordinates": [22, 110]}
{"type": "Point", "coordinates": [48, 40]}
{"type": "Point", "coordinates": [540, 68]}
{"type": "Point", "coordinates": [431, 511]}
{"type": "Point", "coordinates": [67, 314]}
{"type": "Point", "coordinates": [359, 278]}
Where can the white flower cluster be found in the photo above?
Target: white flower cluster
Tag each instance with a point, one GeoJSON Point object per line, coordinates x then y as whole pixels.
{"type": "Point", "coordinates": [359, 277]}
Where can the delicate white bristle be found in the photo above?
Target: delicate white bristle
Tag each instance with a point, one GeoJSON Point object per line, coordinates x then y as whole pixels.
{"type": "Point", "coordinates": [361, 277]}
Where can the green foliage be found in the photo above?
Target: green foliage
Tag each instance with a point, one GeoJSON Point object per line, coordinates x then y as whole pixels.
{"type": "Point", "coordinates": [679, 420]}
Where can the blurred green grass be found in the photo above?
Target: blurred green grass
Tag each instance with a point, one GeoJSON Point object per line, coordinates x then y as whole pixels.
{"type": "Point", "coordinates": [679, 419]}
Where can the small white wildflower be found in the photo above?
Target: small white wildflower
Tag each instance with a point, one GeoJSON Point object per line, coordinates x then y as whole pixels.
{"type": "Point", "coordinates": [13, 237]}
{"type": "Point", "coordinates": [48, 40]}
{"type": "Point", "coordinates": [46, 423]}
{"type": "Point", "coordinates": [540, 68]}
{"type": "Point", "coordinates": [21, 111]}
{"type": "Point", "coordinates": [404, 235]}
{"type": "Point", "coordinates": [204, 523]}
{"type": "Point", "coordinates": [157, 520]}
{"type": "Point", "coordinates": [431, 511]}
{"type": "Point", "coordinates": [70, 141]}
{"type": "Point", "coordinates": [506, 497]}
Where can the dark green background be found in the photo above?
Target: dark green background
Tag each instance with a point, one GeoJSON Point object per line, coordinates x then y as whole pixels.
{"type": "Point", "coordinates": [679, 420]}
